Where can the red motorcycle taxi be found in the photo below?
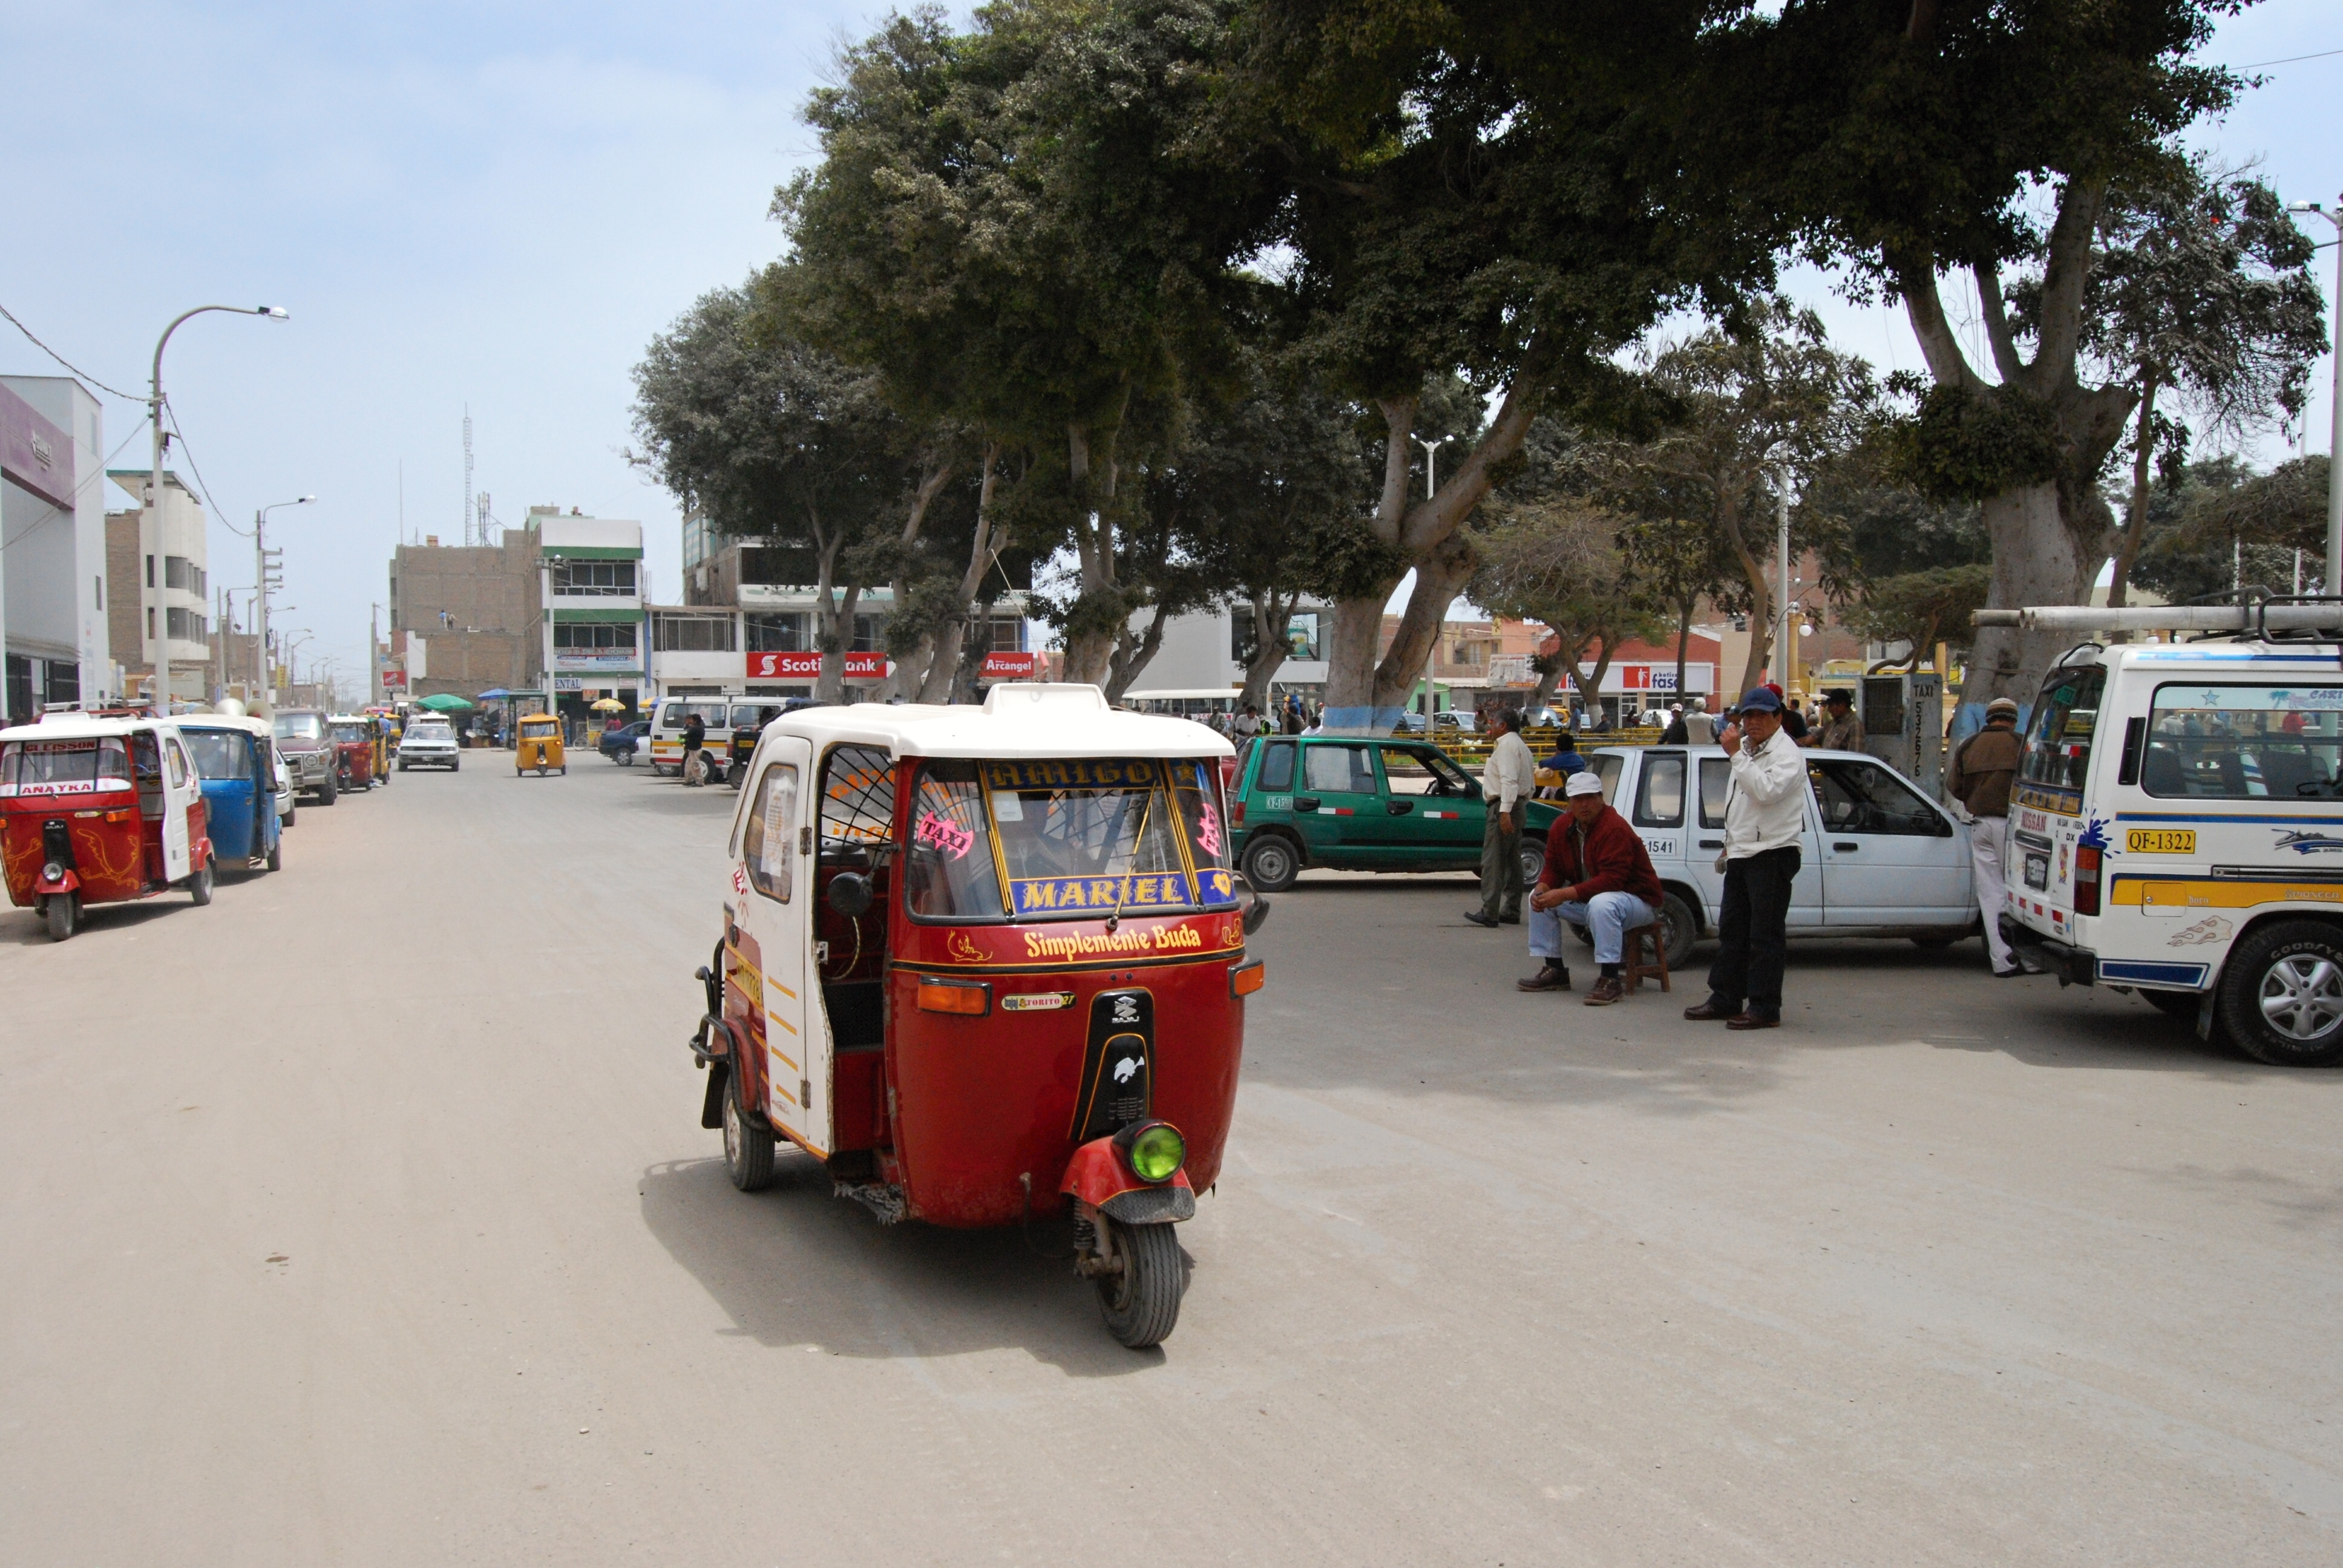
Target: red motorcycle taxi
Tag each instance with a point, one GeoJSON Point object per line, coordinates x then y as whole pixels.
{"type": "Point", "coordinates": [989, 965]}
{"type": "Point", "coordinates": [97, 810]}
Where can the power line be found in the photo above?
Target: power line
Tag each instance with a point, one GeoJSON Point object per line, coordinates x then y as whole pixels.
{"type": "Point", "coordinates": [2290, 59]}
{"type": "Point", "coordinates": [68, 364]}
{"type": "Point", "coordinates": [189, 452]}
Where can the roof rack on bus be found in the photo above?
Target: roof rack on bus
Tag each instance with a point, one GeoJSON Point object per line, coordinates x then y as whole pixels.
{"type": "Point", "coordinates": [2259, 614]}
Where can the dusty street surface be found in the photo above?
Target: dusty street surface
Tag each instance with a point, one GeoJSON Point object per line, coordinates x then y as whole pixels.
{"type": "Point", "coordinates": [365, 1217]}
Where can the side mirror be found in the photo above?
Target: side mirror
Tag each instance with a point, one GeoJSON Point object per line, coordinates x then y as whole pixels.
{"type": "Point", "coordinates": [1257, 911]}
{"type": "Point", "coordinates": [850, 893]}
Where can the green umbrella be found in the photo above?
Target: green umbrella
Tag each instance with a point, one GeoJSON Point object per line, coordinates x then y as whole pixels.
{"type": "Point", "coordinates": [445, 703]}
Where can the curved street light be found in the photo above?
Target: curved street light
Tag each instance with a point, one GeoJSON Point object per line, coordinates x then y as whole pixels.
{"type": "Point", "coordinates": [160, 660]}
{"type": "Point", "coordinates": [2334, 583]}
{"type": "Point", "coordinates": [260, 576]}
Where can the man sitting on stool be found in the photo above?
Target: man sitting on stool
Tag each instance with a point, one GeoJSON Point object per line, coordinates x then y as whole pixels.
{"type": "Point", "coordinates": [1597, 875]}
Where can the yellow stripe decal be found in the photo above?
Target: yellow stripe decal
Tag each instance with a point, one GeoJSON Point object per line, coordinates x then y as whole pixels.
{"type": "Point", "coordinates": [2224, 894]}
{"type": "Point", "coordinates": [793, 1066]}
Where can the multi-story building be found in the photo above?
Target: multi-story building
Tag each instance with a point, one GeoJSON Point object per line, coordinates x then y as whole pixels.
{"type": "Point", "coordinates": [773, 589]}
{"type": "Point", "coordinates": [1208, 651]}
{"type": "Point", "coordinates": [53, 590]}
{"type": "Point", "coordinates": [181, 636]}
{"type": "Point", "coordinates": [568, 587]}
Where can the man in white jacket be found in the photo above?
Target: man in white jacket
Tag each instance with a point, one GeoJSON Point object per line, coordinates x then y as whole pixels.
{"type": "Point", "coordinates": [1765, 813]}
{"type": "Point", "coordinates": [1506, 780]}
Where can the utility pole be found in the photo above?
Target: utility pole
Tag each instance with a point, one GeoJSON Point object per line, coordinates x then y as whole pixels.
{"type": "Point", "coordinates": [1439, 616]}
{"type": "Point", "coordinates": [159, 660]}
{"type": "Point", "coordinates": [2334, 579]}
{"type": "Point", "coordinates": [1782, 613]}
{"type": "Point", "coordinates": [266, 574]}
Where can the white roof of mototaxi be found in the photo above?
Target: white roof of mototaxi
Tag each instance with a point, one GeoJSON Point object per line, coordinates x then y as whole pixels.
{"type": "Point", "coordinates": [84, 727]}
{"type": "Point", "coordinates": [1022, 718]}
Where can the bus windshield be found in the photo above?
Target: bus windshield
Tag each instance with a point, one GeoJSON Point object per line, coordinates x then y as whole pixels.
{"type": "Point", "coordinates": [1075, 840]}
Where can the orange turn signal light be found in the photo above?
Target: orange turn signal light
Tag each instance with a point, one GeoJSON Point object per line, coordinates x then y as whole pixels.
{"type": "Point", "coordinates": [1247, 979]}
{"type": "Point", "coordinates": [972, 999]}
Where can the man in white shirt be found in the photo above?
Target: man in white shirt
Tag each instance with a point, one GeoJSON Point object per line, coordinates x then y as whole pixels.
{"type": "Point", "coordinates": [1506, 779]}
{"type": "Point", "coordinates": [1765, 813]}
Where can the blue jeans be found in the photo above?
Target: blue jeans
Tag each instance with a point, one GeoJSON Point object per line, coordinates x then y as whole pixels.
{"type": "Point", "coordinates": [1609, 916]}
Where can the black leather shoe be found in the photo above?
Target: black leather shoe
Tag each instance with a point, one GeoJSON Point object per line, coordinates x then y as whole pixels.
{"type": "Point", "coordinates": [1552, 977]}
{"type": "Point", "coordinates": [1751, 1021]}
{"type": "Point", "coordinates": [1513, 920]}
{"type": "Point", "coordinates": [1710, 1012]}
{"type": "Point", "coordinates": [1478, 918]}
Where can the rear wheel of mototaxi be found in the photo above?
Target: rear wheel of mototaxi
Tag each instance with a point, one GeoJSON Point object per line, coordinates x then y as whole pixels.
{"type": "Point", "coordinates": [199, 886]}
{"type": "Point", "coordinates": [1142, 1302]}
{"type": "Point", "coordinates": [2282, 995]}
{"type": "Point", "coordinates": [748, 1143]}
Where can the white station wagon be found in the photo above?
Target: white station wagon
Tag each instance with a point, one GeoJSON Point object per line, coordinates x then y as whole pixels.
{"type": "Point", "coordinates": [428, 743]}
{"type": "Point", "coordinates": [1877, 858]}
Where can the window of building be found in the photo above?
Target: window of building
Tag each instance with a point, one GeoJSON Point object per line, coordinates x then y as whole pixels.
{"type": "Point", "coordinates": [694, 634]}
{"type": "Point", "coordinates": [594, 636]}
{"type": "Point", "coordinates": [614, 579]}
{"type": "Point", "coordinates": [782, 633]}
{"type": "Point", "coordinates": [1006, 634]}
{"type": "Point", "coordinates": [184, 625]}
{"type": "Point", "coordinates": [870, 634]}
{"type": "Point", "coordinates": [99, 583]}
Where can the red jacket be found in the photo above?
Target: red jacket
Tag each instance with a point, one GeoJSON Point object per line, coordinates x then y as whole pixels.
{"type": "Point", "coordinates": [1607, 857]}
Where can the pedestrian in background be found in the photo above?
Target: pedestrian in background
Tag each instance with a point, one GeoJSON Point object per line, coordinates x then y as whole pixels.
{"type": "Point", "coordinates": [1506, 779]}
{"type": "Point", "coordinates": [1983, 768]}
{"type": "Point", "coordinates": [1764, 811]}
{"type": "Point", "coordinates": [695, 737]}
{"type": "Point", "coordinates": [1597, 875]}
{"type": "Point", "coordinates": [1842, 729]}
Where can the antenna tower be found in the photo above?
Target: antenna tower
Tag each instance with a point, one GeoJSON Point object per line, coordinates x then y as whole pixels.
{"type": "Point", "coordinates": [484, 519]}
{"type": "Point", "coordinates": [468, 476]}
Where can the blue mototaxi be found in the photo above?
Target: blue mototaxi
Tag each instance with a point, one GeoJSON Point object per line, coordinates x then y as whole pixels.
{"type": "Point", "coordinates": [233, 757]}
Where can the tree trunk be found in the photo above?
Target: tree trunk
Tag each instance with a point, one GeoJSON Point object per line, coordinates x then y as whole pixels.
{"type": "Point", "coordinates": [1273, 614]}
{"type": "Point", "coordinates": [1364, 696]}
{"type": "Point", "coordinates": [1133, 653]}
{"type": "Point", "coordinates": [1684, 643]}
{"type": "Point", "coordinates": [2136, 530]}
{"type": "Point", "coordinates": [1090, 475]}
{"type": "Point", "coordinates": [2034, 562]}
{"type": "Point", "coordinates": [903, 678]}
{"type": "Point", "coordinates": [943, 668]}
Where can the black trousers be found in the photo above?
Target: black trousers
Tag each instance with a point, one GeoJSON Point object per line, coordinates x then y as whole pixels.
{"type": "Point", "coordinates": [1752, 933]}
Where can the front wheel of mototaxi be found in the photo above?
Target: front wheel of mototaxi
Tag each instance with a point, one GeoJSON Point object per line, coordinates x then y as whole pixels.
{"type": "Point", "coordinates": [747, 1143]}
{"type": "Point", "coordinates": [1141, 1300]}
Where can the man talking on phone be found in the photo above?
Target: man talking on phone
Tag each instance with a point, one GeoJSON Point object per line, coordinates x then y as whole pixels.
{"type": "Point", "coordinates": [1765, 812]}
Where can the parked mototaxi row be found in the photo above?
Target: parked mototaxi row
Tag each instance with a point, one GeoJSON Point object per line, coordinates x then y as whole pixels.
{"type": "Point", "coordinates": [108, 806]}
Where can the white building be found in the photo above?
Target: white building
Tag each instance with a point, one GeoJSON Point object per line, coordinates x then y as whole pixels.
{"type": "Point", "coordinates": [53, 561]}
{"type": "Point", "coordinates": [1208, 649]}
{"type": "Point", "coordinates": [134, 554]}
{"type": "Point", "coordinates": [593, 608]}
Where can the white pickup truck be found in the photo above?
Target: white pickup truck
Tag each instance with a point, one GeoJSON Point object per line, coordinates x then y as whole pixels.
{"type": "Point", "coordinates": [1877, 858]}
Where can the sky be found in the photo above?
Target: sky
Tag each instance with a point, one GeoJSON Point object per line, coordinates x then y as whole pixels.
{"type": "Point", "coordinates": [493, 207]}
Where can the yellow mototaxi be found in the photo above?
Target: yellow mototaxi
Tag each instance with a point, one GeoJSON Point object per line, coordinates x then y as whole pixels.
{"type": "Point", "coordinates": [539, 746]}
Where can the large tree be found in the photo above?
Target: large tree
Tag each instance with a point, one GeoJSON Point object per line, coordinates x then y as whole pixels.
{"type": "Point", "coordinates": [1931, 143]}
{"type": "Point", "coordinates": [1006, 225]}
{"type": "Point", "coordinates": [1476, 189]}
{"type": "Point", "coordinates": [2200, 297]}
{"type": "Point", "coordinates": [770, 439]}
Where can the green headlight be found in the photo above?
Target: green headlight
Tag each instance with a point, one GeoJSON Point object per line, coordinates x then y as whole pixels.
{"type": "Point", "coordinates": [1157, 1152]}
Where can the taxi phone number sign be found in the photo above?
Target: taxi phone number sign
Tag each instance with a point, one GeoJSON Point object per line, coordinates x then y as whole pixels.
{"type": "Point", "coordinates": [2161, 841]}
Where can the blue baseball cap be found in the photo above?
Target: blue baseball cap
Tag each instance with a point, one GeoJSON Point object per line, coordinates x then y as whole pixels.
{"type": "Point", "coordinates": [1759, 699]}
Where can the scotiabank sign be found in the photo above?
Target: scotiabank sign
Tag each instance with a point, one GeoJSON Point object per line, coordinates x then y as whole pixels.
{"type": "Point", "coordinates": [806, 666]}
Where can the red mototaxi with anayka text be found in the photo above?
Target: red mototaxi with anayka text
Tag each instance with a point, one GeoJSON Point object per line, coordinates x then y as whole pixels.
{"type": "Point", "coordinates": [99, 809]}
{"type": "Point", "coordinates": [987, 964]}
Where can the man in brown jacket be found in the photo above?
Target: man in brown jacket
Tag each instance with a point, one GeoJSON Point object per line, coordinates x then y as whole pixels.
{"type": "Point", "coordinates": [1983, 768]}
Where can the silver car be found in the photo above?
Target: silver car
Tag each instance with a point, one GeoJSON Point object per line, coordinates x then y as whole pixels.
{"type": "Point", "coordinates": [426, 744]}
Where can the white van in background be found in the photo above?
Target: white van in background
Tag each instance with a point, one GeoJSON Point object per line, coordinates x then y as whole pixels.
{"type": "Point", "coordinates": [675, 712]}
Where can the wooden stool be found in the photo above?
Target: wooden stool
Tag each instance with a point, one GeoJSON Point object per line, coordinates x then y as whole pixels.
{"type": "Point", "coordinates": [1650, 939]}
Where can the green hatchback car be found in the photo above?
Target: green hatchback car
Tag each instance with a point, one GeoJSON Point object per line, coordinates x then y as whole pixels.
{"type": "Point", "coordinates": [1355, 805]}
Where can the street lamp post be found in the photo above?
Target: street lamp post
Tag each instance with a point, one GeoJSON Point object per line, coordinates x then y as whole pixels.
{"type": "Point", "coordinates": [159, 660]}
{"type": "Point", "coordinates": [292, 670]}
{"type": "Point", "coordinates": [2334, 580]}
{"type": "Point", "coordinates": [1439, 616]}
{"type": "Point", "coordinates": [260, 592]}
